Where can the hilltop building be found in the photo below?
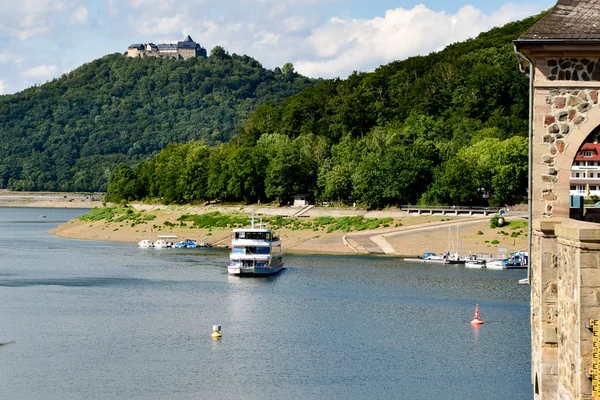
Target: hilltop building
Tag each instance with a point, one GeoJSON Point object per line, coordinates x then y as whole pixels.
{"type": "Point", "coordinates": [180, 51]}
{"type": "Point", "coordinates": [585, 172]}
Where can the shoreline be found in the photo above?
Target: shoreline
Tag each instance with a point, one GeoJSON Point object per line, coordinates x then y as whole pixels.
{"type": "Point", "coordinates": [407, 236]}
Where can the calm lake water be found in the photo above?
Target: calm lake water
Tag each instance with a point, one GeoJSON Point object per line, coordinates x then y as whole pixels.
{"type": "Point", "coordinates": [95, 320]}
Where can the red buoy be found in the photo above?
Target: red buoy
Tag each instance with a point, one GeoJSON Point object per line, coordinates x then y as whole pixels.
{"type": "Point", "coordinates": [476, 320]}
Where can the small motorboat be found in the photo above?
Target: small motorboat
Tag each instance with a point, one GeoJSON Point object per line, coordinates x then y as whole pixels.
{"type": "Point", "coordinates": [475, 264]}
{"type": "Point", "coordinates": [146, 243]}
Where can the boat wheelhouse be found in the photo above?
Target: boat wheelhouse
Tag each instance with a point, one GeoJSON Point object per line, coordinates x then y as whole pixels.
{"type": "Point", "coordinates": [255, 251]}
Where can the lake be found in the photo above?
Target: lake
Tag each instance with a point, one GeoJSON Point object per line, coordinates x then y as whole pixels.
{"type": "Point", "coordinates": [96, 320]}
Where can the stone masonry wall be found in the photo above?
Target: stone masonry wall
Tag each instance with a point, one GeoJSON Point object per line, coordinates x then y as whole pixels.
{"type": "Point", "coordinates": [573, 69]}
{"type": "Point", "coordinates": [544, 312]}
{"type": "Point", "coordinates": [568, 109]}
{"type": "Point", "coordinates": [578, 245]}
{"type": "Point", "coordinates": [568, 334]}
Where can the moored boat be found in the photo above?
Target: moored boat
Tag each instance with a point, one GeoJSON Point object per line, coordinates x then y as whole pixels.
{"type": "Point", "coordinates": [475, 264]}
{"type": "Point", "coordinates": [255, 251]}
{"type": "Point", "coordinates": [146, 243]}
{"type": "Point", "coordinates": [517, 260]}
{"type": "Point", "coordinates": [428, 256]}
{"type": "Point", "coordinates": [186, 243]}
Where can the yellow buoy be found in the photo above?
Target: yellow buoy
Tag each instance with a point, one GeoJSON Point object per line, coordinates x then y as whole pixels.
{"type": "Point", "coordinates": [216, 332]}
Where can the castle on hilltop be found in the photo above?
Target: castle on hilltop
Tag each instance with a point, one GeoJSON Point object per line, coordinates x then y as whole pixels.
{"type": "Point", "coordinates": [178, 51]}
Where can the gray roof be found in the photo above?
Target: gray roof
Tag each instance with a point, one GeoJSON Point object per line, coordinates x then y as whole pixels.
{"type": "Point", "coordinates": [188, 38]}
{"type": "Point", "coordinates": [167, 46]}
{"type": "Point", "coordinates": [187, 45]}
{"type": "Point", "coordinates": [137, 46]}
{"type": "Point", "coordinates": [569, 20]}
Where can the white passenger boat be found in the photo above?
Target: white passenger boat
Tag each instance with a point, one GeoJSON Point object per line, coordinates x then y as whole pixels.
{"type": "Point", "coordinates": [165, 241]}
{"type": "Point", "coordinates": [255, 251]}
{"type": "Point", "coordinates": [146, 243]}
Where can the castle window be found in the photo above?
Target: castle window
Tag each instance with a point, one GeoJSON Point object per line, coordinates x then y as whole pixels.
{"type": "Point", "coordinates": [587, 153]}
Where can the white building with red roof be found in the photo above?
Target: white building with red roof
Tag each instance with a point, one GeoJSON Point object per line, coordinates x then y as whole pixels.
{"type": "Point", "coordinates": [585, 172]}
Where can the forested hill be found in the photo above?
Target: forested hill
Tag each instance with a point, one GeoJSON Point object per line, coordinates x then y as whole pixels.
{"type": "Point", "coordinates": [68, 134]}
{"type": "Point", "coordinates": [446, 128]}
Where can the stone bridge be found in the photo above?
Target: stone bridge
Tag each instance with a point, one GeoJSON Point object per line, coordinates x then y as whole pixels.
{"type": "Point", "coordinates": [561, 54]}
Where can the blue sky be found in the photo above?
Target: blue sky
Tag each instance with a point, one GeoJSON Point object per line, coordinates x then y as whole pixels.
{"type": "Point", "coordinates": [42, 39]}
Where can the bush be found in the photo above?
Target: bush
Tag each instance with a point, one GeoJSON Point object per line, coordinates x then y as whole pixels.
{"type": "Point", "coordinates": [496, 221]}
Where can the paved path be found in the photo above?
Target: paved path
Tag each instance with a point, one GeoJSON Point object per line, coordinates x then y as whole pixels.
{"type": "Point", "coordinates": [377, 244]}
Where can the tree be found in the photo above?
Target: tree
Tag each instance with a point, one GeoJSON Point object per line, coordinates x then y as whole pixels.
{"type": "Point", "coordinates": [288, 69]}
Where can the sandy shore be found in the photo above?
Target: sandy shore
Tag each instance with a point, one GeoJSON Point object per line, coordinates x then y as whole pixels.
{"type": "Point", "coordinates": [50, 199]}
{"type": "Point", "coordinates": [408, 235]}
{"type": "Point", "coordinates": [412, 237]}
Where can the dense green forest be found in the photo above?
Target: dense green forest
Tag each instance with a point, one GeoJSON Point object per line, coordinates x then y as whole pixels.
{"type": "Point", "coordinates": [446, 128]}
{"type": "Point", "coordinates": [70, 133]}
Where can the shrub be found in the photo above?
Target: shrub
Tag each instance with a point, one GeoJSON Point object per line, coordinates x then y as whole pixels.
{"type": "Point", "coordinates": [495, 241]}
{"type": "Point", "coordinates": [495, 221]}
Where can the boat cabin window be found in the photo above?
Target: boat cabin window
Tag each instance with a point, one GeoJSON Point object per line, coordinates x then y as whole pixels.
{"type": "Point", "coordinates": [257, 250]}
{"type": "Point", "coordinates": [253, 235]}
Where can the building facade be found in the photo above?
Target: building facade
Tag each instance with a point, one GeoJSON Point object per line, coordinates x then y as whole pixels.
{"type": "Point", "coordinates": [180, 51]}
{"type": "Point", "coordinates": [585, 171]}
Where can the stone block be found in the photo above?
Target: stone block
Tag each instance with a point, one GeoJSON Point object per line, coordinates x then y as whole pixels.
{"type": "Point", "coordinates": [550, 335]}
{"type": "Point", "coordinates": [590, 261]}
{"type": "Point", "coordinates": [581, 232]}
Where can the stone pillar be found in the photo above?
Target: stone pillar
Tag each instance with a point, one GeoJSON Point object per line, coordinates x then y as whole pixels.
{"type": "Point", "coordinates": [544, 310]}
{"type": "Point", "coordinates": [578, 248]}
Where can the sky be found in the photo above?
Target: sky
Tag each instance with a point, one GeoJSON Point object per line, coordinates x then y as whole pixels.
{"type": "Point", "coordinates": [43, 39]}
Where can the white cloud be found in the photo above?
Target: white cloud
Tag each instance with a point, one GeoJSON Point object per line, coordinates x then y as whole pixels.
{"type": "Point", "coordinates": [159, 25]}
{"type": "Point", "coordinates": [79, 16]}
{"type": "Point", "coordinates": [344, 45]}
{"type": "Point", "coordinates": [6, 58]}
{"type": "Point", "coordinates": [2, 88]}
{"type": "Point", "coordinates": [294, 24]}
{"type": "Point", "coordinates": [39, 72]}
{"type": "Point", "coordinates": [29, 18]}
{"type": "Point", "coordinates": [267, 38]}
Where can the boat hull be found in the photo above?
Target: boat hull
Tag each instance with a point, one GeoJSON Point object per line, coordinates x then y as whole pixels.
{"type": "Point", "coordinates": [254, 271]}
{"type": "Point", "coordinates": [425, 260]}
{"type": "Point", "coordinates": [454, 262]}
{"type": "Point", "coordinates": [475, 265]}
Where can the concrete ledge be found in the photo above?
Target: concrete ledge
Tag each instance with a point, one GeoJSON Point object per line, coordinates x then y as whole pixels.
{"type": "Point", "coordinates": [547, 226]}
{"type": "Point", "coordinates": [579, 231]}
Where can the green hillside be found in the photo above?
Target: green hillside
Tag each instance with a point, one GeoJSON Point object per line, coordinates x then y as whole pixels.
{"type": "Point", "coordinates": [68, 134]}
{"type": "Point", "coordinates": [446, 128]}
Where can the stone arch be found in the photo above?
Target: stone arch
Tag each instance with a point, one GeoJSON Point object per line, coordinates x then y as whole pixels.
{"type": "Point", "coordinates": [566, 149]}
